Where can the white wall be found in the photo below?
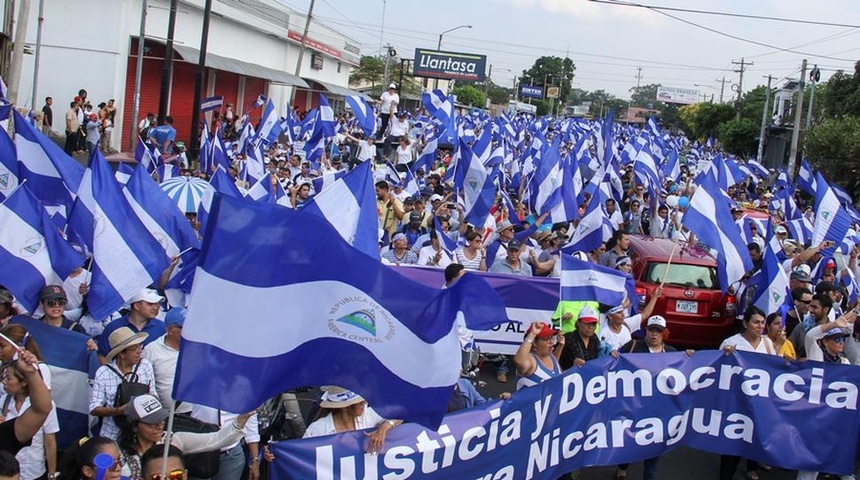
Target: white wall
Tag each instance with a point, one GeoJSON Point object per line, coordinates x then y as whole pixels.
{"type": "Point", "coordinates": [85, 45]}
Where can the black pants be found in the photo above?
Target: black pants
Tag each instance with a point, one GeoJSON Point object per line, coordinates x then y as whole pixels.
{"type": "Point", "coordinates": [385, 118]}
{"type": "Point", "coordinates": [72, 140]}
{"type": "Point", "coordinates": [729, 463]}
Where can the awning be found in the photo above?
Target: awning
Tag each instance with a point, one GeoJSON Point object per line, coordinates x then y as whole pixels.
{"type": "Point", "coordinates": [190, 54]}
{"type": "Point", "coordinates": [338, 90]}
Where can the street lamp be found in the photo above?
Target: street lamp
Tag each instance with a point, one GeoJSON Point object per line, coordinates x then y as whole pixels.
{"type": "Point", "coordinates": [439, 45]}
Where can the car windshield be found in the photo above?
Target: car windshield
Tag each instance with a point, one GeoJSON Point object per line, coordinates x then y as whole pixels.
{"type": "Point", "coordinates": [696, 276]}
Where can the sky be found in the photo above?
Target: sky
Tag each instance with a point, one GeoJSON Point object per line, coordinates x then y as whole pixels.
{"type": "Point", "coordinates": [607, 43]}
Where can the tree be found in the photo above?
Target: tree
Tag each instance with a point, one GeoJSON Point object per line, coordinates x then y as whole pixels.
{"type": "Point", "coordinates": [702, 120]}
{"type": "Point", "coordinates": [499, 95]}
{"type": "Point", "coordinates": [469, 95]}
{"type": "Point", "coordinates": [834, 145]}
{"type": "Point", "coordinates": [370, 70]}
{"type": "Point", "coordinates": [552, 71]}
{"type": "Point", "coordinates": [643, 95]}
{"type": "Point", "coordinates": [739, 136]}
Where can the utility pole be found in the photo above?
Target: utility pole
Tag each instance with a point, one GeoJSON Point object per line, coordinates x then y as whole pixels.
{"type": "Point", "coordinates": [487, 82]}
{"type": "Point", "coordinates": [722, 87]}
{"type": "Point", "coordinates": [138, 74]}
{"type": "Point", "coordinates": [403, 63]}
{"type": "Point", "coordinates": [638, 76]}
{"type": "Point", "coordinates": [198, 81]}
{"type": "Point", "coordinates": [760, 152]}
{"type": "Point", "coordinates": [18, 51]}
{"type": "Point", "coordinates": [814, 76]}
{"type": "Point", "coordinates": [167, 70]}
{"type": "Point", "coordinates": [740, 71]}
{"type": "Point", "coordinates": [385, 75]}
{"type": "Point", "coordinates": [798, 114]}
{"type": "Point", "coordinates": [38, 51]}
{"type": "Point", "coordinates": [302, 47]}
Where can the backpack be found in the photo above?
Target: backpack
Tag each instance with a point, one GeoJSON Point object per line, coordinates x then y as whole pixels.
{"type": "Point", "coordinates": [204, 464]}
{"type": "Point", "coordinates": [127, 389]}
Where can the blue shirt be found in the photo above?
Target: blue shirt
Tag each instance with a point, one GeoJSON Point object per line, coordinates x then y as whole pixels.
{"type": "Point", "coordinates": [155, 328]}
{"type": "Point", "coordinates": [163, 133]}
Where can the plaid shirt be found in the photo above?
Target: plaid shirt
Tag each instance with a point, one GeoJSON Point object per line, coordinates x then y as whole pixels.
{"type": "Point", "coordinates": [103, 392]}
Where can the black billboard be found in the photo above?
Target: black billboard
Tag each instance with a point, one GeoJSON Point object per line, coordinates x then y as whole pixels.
{"type": "Point", "coordinates": [449, 65]}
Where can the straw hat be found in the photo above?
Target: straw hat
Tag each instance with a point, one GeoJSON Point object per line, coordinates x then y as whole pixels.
{"type": "Point", "coordinates": [122, 338]}
{"type": "Point", "coordinates": [337, 397]}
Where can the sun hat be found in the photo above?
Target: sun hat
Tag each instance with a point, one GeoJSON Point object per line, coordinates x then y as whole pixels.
{"type": "Point", "coordinates": [147, 409]}
{"type": "Point", "coordinates": [337, 397]}
{"type": "Point", "coordinates": [122, 338]}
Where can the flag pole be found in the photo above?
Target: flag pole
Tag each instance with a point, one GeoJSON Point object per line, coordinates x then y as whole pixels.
{"type": "Point", "coordinates": [669, 262]}
{"type": "Point", "coordinates": [168, 434]}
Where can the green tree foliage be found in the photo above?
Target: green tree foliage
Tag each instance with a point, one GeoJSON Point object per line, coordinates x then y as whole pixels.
{"type": "Point", "coordinates": [739, 136]}
{"type": "Point", "coordinates": [370, 70]}
{"type": "Point", "coordinates": [499, 95]}
{"type": "Point", "coordinates": [643, 95]}
{"type": "Point", "coordinates": [702, 120]}
{"type": "Point", "coordinates": [469, 95]}
{"type": "Point", "coordinates": [834, 146]}
{"type": "Point", "coordinates": [552, 71]}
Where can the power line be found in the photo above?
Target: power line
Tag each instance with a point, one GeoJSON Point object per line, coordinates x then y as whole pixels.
{"type": "Point", "coordinates": [724, 34]}
{"type": "Point", "coordinates": [726, 14]}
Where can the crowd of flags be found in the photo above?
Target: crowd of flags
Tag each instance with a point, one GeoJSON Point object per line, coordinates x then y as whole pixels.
{"type": "Point", "coordinates": [124, 229]}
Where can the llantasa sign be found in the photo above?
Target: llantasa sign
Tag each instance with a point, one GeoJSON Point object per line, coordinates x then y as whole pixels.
{"type": "Point", "coordinates": [449, 65]}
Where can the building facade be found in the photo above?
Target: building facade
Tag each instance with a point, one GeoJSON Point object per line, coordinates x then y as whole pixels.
{"type": "Point", "coordinates": [253, 47]}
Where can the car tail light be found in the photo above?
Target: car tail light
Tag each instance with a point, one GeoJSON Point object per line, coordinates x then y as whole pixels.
{"type": "Point", "coordinates": [731, 306]}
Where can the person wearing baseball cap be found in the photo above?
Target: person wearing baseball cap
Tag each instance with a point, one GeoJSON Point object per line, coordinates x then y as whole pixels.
{"type": "Point", "coordinates": [617, 329]}
{"type": "Point", "coordinates": [388, 102]}
{"type": "Point", "coordinates": [512, 263]}
{"type": "Point", "coordinates": [163, 353]}
{"type": "Point", "coordinates": [53, 301]}
{"type": "Point", "coordinates": [145, 306]}
{"type": "Point", "coordinates": [537, 357]}
{"type": "Point", "coordinates": [581, 345]}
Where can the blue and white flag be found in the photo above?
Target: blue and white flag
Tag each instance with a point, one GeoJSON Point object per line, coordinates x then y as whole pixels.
{"type": "Point", "coordinates": [349, 327]}
{"type": "Point", "coordinates": [326, 121]}
{"type": "Point", "coordinates": [123, 173]}
{"type": "Point", "coordinates": [32, 252]}
{"type": "Point", "coordinates": [326, 180]}
{"type": "Point", "coordinates": [167, 171]}
{"type": "Point", "coordinates": [709, 219]}
{"type": "Point", "coordinates": [72, 366]}
{"type": "Point", "coordinates": [842, 195]}
{"type": "Point", "coordinates": [126, 257]}
{"type": "Point", "coordinates": [476, 185]}
{"type": "Point", "coordinates": [211, 103]}
{"type": "Point", "coordinates": [583, 281]}
{"type": "Point", "coordinates": [8, 165]}
{"type": "Point", "coordinates": [363, 112]}
{"type": "Point", "coordinates": [349, 206]}
{"type": "Point", "coordinates": [261, 99]}
{"type": "Point", "coordinates": [270, 124]}
{"type": "Point", "coordinates": [159, 214]}
{"type": "Point", "coordinates": [441, 107]}
{"type": "Point", "coordinates": [594, 228]}
{"type": "Point", "coordinates": [831, 220]}
{"type": "Point", "coordinates": [772, 291]}
{"type": "Point", "coordinates": [806, 178]}
{"type": "Point", "coordinates": [547, 180]}
{"type": "Point", "coordinates": [447, 243]}
{"type": "Point", "coordinates": [146, 156]}
{"type": "Point", "coordinates": [51, 175]}
{"type": "Point", "coordinates": [219, 183]}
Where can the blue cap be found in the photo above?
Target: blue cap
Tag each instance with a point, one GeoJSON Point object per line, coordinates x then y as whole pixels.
{"type": "Point", "coordinates": [175, 316]}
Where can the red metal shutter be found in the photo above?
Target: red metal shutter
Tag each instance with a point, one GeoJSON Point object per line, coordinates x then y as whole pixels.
{"type": "Point", "coordinates": [182, 99]}
{"type": "Point", "coordinates": [253, 88]}
{"type": "Point", "coordinates": [227, 84]}
{"type": "Point", "coordinates": [149, 89]}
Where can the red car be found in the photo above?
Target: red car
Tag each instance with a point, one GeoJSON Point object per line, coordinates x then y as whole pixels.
{"type": "Point", "coordinates": [697, 313]}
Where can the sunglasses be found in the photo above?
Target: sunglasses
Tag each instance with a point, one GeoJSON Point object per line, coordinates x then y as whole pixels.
{"type": "Point", "coordinates": [807, 302]}
{"type": "Point", "coordinates": [172, 475]}
{"type": "Point", "coordinates": [57, 302]}
{"type": "Point", "coordinates": [838, 339]}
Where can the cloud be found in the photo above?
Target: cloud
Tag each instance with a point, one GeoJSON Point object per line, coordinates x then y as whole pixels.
{"type": "Point", "coordinates": [583, 9]}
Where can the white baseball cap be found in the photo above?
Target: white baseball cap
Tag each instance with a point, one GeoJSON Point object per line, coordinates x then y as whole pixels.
{"type": "Point", "coordinates": [656, 321]}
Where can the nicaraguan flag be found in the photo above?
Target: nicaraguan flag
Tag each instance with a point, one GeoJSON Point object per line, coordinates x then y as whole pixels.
{"type": "Point", "coordinates": [270, 124]}
{"type": "Point", "coordinates": [261, 99]}
{"type": "Point", "coordinates": [594, 228]}
{"type": "Point", "coordinates": [363, 112]}
{"type": "Point", "coordinates": [32, 252]}
{"type": "Point", "coordinates": [159, 214]}
{"type": "Point", "coordinates": [476, 184]}
{"type": "Point", "coordinates": [211, 103]}
{"type": "Point", "coordinates": [327, 180]}
{"type": "Point", "coordinates": [842, 195]}
{"type": "Point", "coordinates": [126, 257]}
{"type": "Point", "coordinates": [772, 291]}
{"type": "Point", "coordinates": [51, 175]}
{"type": "Point", "coordinates": [547, 180]}
{"type": "Point", "coordinates": [219, 183]}
{"type": "Point", "coordinates": [123, 173]}
{"type": "Point", "coordinates": [831, 220]}
{"type": "Point", "coordinates": [349, 206]}
{"type": "Point", "coordinates": [708, 218]}
{"type": "Point", "coordinates": [167, 171]}
{"type": "Point", "coordinates": [806, 178]}
{"type": "Point", "coordinates": [8, 165]}
{"type": "Point", "coordinates": [326, 120]}
{"type": "Point", "coordinates": [583, 281]}
{"type": "Point", "coordinates": [72, 366]}
{"type": "Point", "coordinates": [351, 321]}
{"type": "Point", "coordinates": [146, 156]}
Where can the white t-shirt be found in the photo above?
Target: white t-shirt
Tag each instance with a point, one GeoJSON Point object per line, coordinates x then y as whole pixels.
{"type": "Point", "coordinates": [427, 254]}
{"type": "Point", "coordinates": [366, 151]}
{"type": "Point", "coordinates": [741, 344]}
{"type": "Point", "coordinates": [399, 128]}
{"type": "Point", "coordinates": [617, 219]}
{"type": "Point", "coordinates": [32, 458]}
{"type": "Point", "coordinates": [325, 425]}
{"type": "Point", "coordinates": [617, 340]}
{"type": "Point", "coordinates": [387, 99]}
{"type": "Point", "coordinates": [404, 154]}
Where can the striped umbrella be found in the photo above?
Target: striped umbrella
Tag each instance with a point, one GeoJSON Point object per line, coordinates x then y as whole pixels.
{"type": "Point", "coordinates": [186, 192]}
